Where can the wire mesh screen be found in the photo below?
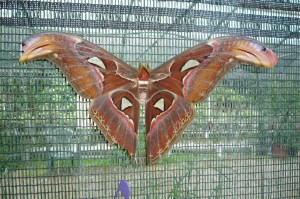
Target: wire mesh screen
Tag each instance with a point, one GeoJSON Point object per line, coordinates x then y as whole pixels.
{"type": "Point", "coordinates": [243, 143]}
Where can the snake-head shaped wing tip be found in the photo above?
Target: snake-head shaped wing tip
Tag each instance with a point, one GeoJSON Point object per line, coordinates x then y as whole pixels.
{"type": "Point", "coordinates": [42, 44]}
{"type": "Point", "coordinates": [246, 50]}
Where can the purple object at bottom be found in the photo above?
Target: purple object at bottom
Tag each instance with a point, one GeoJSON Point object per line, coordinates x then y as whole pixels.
{"type": "Point", "coordinates": [124, 188]}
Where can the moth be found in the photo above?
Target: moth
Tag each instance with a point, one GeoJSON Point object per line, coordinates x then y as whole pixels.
{"type": "Point", "coordinates": [169, 92]}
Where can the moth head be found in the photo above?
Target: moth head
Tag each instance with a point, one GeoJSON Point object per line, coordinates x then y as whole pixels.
{"type": "Point", "coordinates": [143, 73]}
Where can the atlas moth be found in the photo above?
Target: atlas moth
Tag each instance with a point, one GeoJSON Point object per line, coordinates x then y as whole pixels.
{"type": "Point", "coordinates": [169, 92]}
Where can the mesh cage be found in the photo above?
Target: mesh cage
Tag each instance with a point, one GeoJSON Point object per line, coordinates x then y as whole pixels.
{"type": "Point", "coordinates": [243, 143]}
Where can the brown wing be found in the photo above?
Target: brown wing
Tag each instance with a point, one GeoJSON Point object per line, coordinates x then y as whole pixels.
{"type": "Point", "coordinates": [117, 114]}
{"type": "Point", "coordinates": [195, 72]}
{"type": "Point", "coordinates": [94, 74]}
{"type": "Point", "coordinates": [167, 115]}
{"type": "Point", "coordinates": [189, 78]}
{"type": "Point", "coordinates": [89, 69]}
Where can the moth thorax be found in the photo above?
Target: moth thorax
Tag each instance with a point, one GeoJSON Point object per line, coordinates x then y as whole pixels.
{"type": "Point", "coordinates": [143, 89]}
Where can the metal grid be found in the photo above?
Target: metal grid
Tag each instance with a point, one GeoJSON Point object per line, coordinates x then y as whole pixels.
{"type": "Point", "coordinates": [50, 149]}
